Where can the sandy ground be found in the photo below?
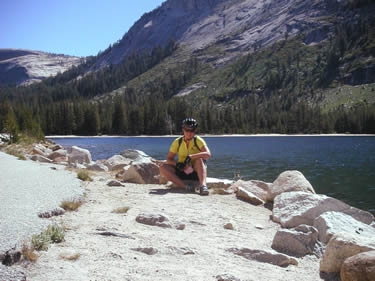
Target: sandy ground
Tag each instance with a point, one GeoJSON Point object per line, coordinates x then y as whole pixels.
{"type": "Point", "coordinates": [199, 251]}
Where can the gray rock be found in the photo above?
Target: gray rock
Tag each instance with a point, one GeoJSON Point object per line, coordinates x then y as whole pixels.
{"type": "Point", "coordinates": [248, 196]}
{"type": "Point", "coordinates": [299, 241]}
{"type": "Point", "coordinates": [257, 189]}
{"type": "Point", "coordinates": [117, 162]}
{"type": "Point", "coordinates": [97, 166]}
{"type": "Point", "coordinates": [289, 181]}
{"type": "Point", "coordinates": [154, 220]}
{"type": "Point", "coordinates": [148, 251]}
{"type": "Point", "coordinates": [330, 223]}
{"type": "Point", "coordinates": [60, 155]}
{"type": "Point", "coordinates": [79, 155]}
{"type": "Point", "coordinates": [141, 173]}
{"type": "Point", "coordinates": [40, 158]}
{"type": "Point", "coordinates": [291, 209]}
{"type": "Point", "coordinates": [264, 256]}
{"type": "Point", "coordinates": [114, 183]}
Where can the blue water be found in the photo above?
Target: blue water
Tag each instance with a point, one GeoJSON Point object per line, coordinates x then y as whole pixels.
{"type": "Point", "coordinates": [339, 166]}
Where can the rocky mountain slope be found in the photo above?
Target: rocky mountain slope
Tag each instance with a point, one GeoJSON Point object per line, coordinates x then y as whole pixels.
{"type": "Point", "coordinates": [25, 67]}
{"type": "Point", "coordinates": [242, 26]}
{"type": "Point", "coordinates": [238, 27]}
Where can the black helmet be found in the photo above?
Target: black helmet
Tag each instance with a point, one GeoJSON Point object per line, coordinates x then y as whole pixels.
{"type": "Point", "coordinates": [190, 123]}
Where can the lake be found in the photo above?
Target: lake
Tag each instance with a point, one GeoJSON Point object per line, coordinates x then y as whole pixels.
{"type": "Point", "coordinates": [339, 166]}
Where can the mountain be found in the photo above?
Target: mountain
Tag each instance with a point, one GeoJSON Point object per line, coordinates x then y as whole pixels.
{"type": "Point", "coordinates": [241, 25]}
{"type": "Point", "coordinates": [22, 67]}
{"type": "Point", "coordinates": [240, 66]}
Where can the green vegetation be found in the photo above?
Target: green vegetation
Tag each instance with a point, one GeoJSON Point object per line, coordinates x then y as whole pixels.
{"type": "Point", "coordinates": [288, 88]}
{"type": "Point", "coordinates": [84, 175]}
{"type": "Point", "coordinates": [42, 241]}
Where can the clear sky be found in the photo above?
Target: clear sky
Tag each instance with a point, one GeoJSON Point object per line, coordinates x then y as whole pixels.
{"type": "Point", "coordinates": [70, 27]}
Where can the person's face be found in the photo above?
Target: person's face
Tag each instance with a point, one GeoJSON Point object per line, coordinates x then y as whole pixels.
{"type": "Point", "coordinates": [188, 133]}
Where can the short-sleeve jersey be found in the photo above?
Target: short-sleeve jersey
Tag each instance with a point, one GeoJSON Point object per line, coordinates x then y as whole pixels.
{"type": "Point", "coordinates": [183, 151]}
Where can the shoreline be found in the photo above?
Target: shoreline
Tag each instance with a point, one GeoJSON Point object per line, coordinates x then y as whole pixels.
{"type": "Point", "coordinates": [209, 135]}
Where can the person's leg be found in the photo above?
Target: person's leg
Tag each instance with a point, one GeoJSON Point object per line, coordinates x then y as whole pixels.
{"type": "Point", "coordinates": [169, 172]}
{"type": "Point", "coordinates": [201, 170]}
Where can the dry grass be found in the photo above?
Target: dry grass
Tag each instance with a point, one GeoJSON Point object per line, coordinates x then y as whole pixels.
{"type": "Point", "coordinates": [121, 210]}
{"type": "Point", "coordinates": [28, 252]}
{"type": "Point", "coordinates": [70, 257]}
{"type": "Point", "coordinates": [72, 205]}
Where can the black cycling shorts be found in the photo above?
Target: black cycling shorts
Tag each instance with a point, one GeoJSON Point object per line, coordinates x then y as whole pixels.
{"type": "Point", "coordinates": [193, 176]}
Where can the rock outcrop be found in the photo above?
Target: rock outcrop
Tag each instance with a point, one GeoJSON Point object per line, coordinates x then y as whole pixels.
{"type": "Point", "coordinates": [294, 208]}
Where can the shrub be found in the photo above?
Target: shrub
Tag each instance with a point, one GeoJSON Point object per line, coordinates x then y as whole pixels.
{"type": "Point", "coordinates": [84, 175]}
{"type": "Point", "coordinates": [71, 205]}
{"type": "Point", "coordinates": [40, 242]}
{"type": "Point", "coordinates": [53, 234]}
{"type": "Point", "coordinates": [28, 252]}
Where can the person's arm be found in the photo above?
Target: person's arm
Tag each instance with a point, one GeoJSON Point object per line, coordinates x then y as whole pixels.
{"type": "Point", "coordinates": [205, 153]}
{"type": "Point", "coordinates": [171, 159]}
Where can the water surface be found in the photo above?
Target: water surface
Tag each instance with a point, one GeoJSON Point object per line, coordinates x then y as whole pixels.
{"type": "Point", "coordinates": [339, 166]}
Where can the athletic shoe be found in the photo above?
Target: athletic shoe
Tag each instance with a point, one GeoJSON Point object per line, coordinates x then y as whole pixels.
{"type": "Point", "coordinates": [204, 190]}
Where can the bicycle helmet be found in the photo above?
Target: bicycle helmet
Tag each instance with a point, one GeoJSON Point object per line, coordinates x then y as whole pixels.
{"type": "Point", "coordinates": [189, 123]}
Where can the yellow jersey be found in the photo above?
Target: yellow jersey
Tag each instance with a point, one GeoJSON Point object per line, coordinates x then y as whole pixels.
{"type": "Point", "coordinates": [182, 150]}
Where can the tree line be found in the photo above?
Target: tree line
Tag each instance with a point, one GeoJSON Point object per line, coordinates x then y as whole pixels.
{"type": "Point", "coordinates": [275, 90]}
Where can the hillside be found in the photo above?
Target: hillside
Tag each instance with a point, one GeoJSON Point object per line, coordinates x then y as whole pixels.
{"type": "Point", "coordinates": [286, 66]}
{"type": "Point", "coordinates": [25, 67]}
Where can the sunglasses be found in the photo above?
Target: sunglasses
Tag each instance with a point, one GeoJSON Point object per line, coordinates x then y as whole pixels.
{"type": "Point", "coordinates": [189, 130]}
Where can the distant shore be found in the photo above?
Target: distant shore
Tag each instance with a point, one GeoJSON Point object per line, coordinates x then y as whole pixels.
{"type": "Point", "coordinates": [209, 135]}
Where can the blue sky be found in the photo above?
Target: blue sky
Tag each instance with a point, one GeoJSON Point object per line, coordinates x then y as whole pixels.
{"type": "Point", "coordinates": [70, 27]}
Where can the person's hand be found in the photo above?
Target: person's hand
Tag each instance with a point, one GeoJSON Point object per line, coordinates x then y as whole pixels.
{"type": "Point", "coordinates": [187, 160]}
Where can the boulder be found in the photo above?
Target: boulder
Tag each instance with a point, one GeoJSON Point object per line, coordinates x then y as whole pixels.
{"type": "Point", "coordinates": [289, 181]}
{"type": "Point", "coordinates": [259, 189]}
{"type": "Point", "coordinates": [330, 223]}
{"type": "Point", "coordinates": [40, 158]}
{"type": "Point", "coordinates": [141, 173]}
{"type": "Point", "coordinates": [248, 196]}
{"type": "Point", "coordinates": [359, 267]}
{"type": "Point", "coordinates": [291, 209]}
{"type": "Point", "coordinates": [79, 155]}
{"type": "Point", "coordinates": [342, 246]}
{"type": "Point", "coordinates": [134, 155]}
{"type": "Point", "coordinates": [56, 147]}
{"type": "Point", "coordinates": [298, 242]}
{"type": "Point", "coordinates": [39, 149]}
{"type": "Point", "coordinates": [142, 168]}
{"type": "Point", "coordinates": [58, 156]}
{"type": "Point", "coordinates": [117, 162]}
{"type": "Point", "coordinates": [97, 166]}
